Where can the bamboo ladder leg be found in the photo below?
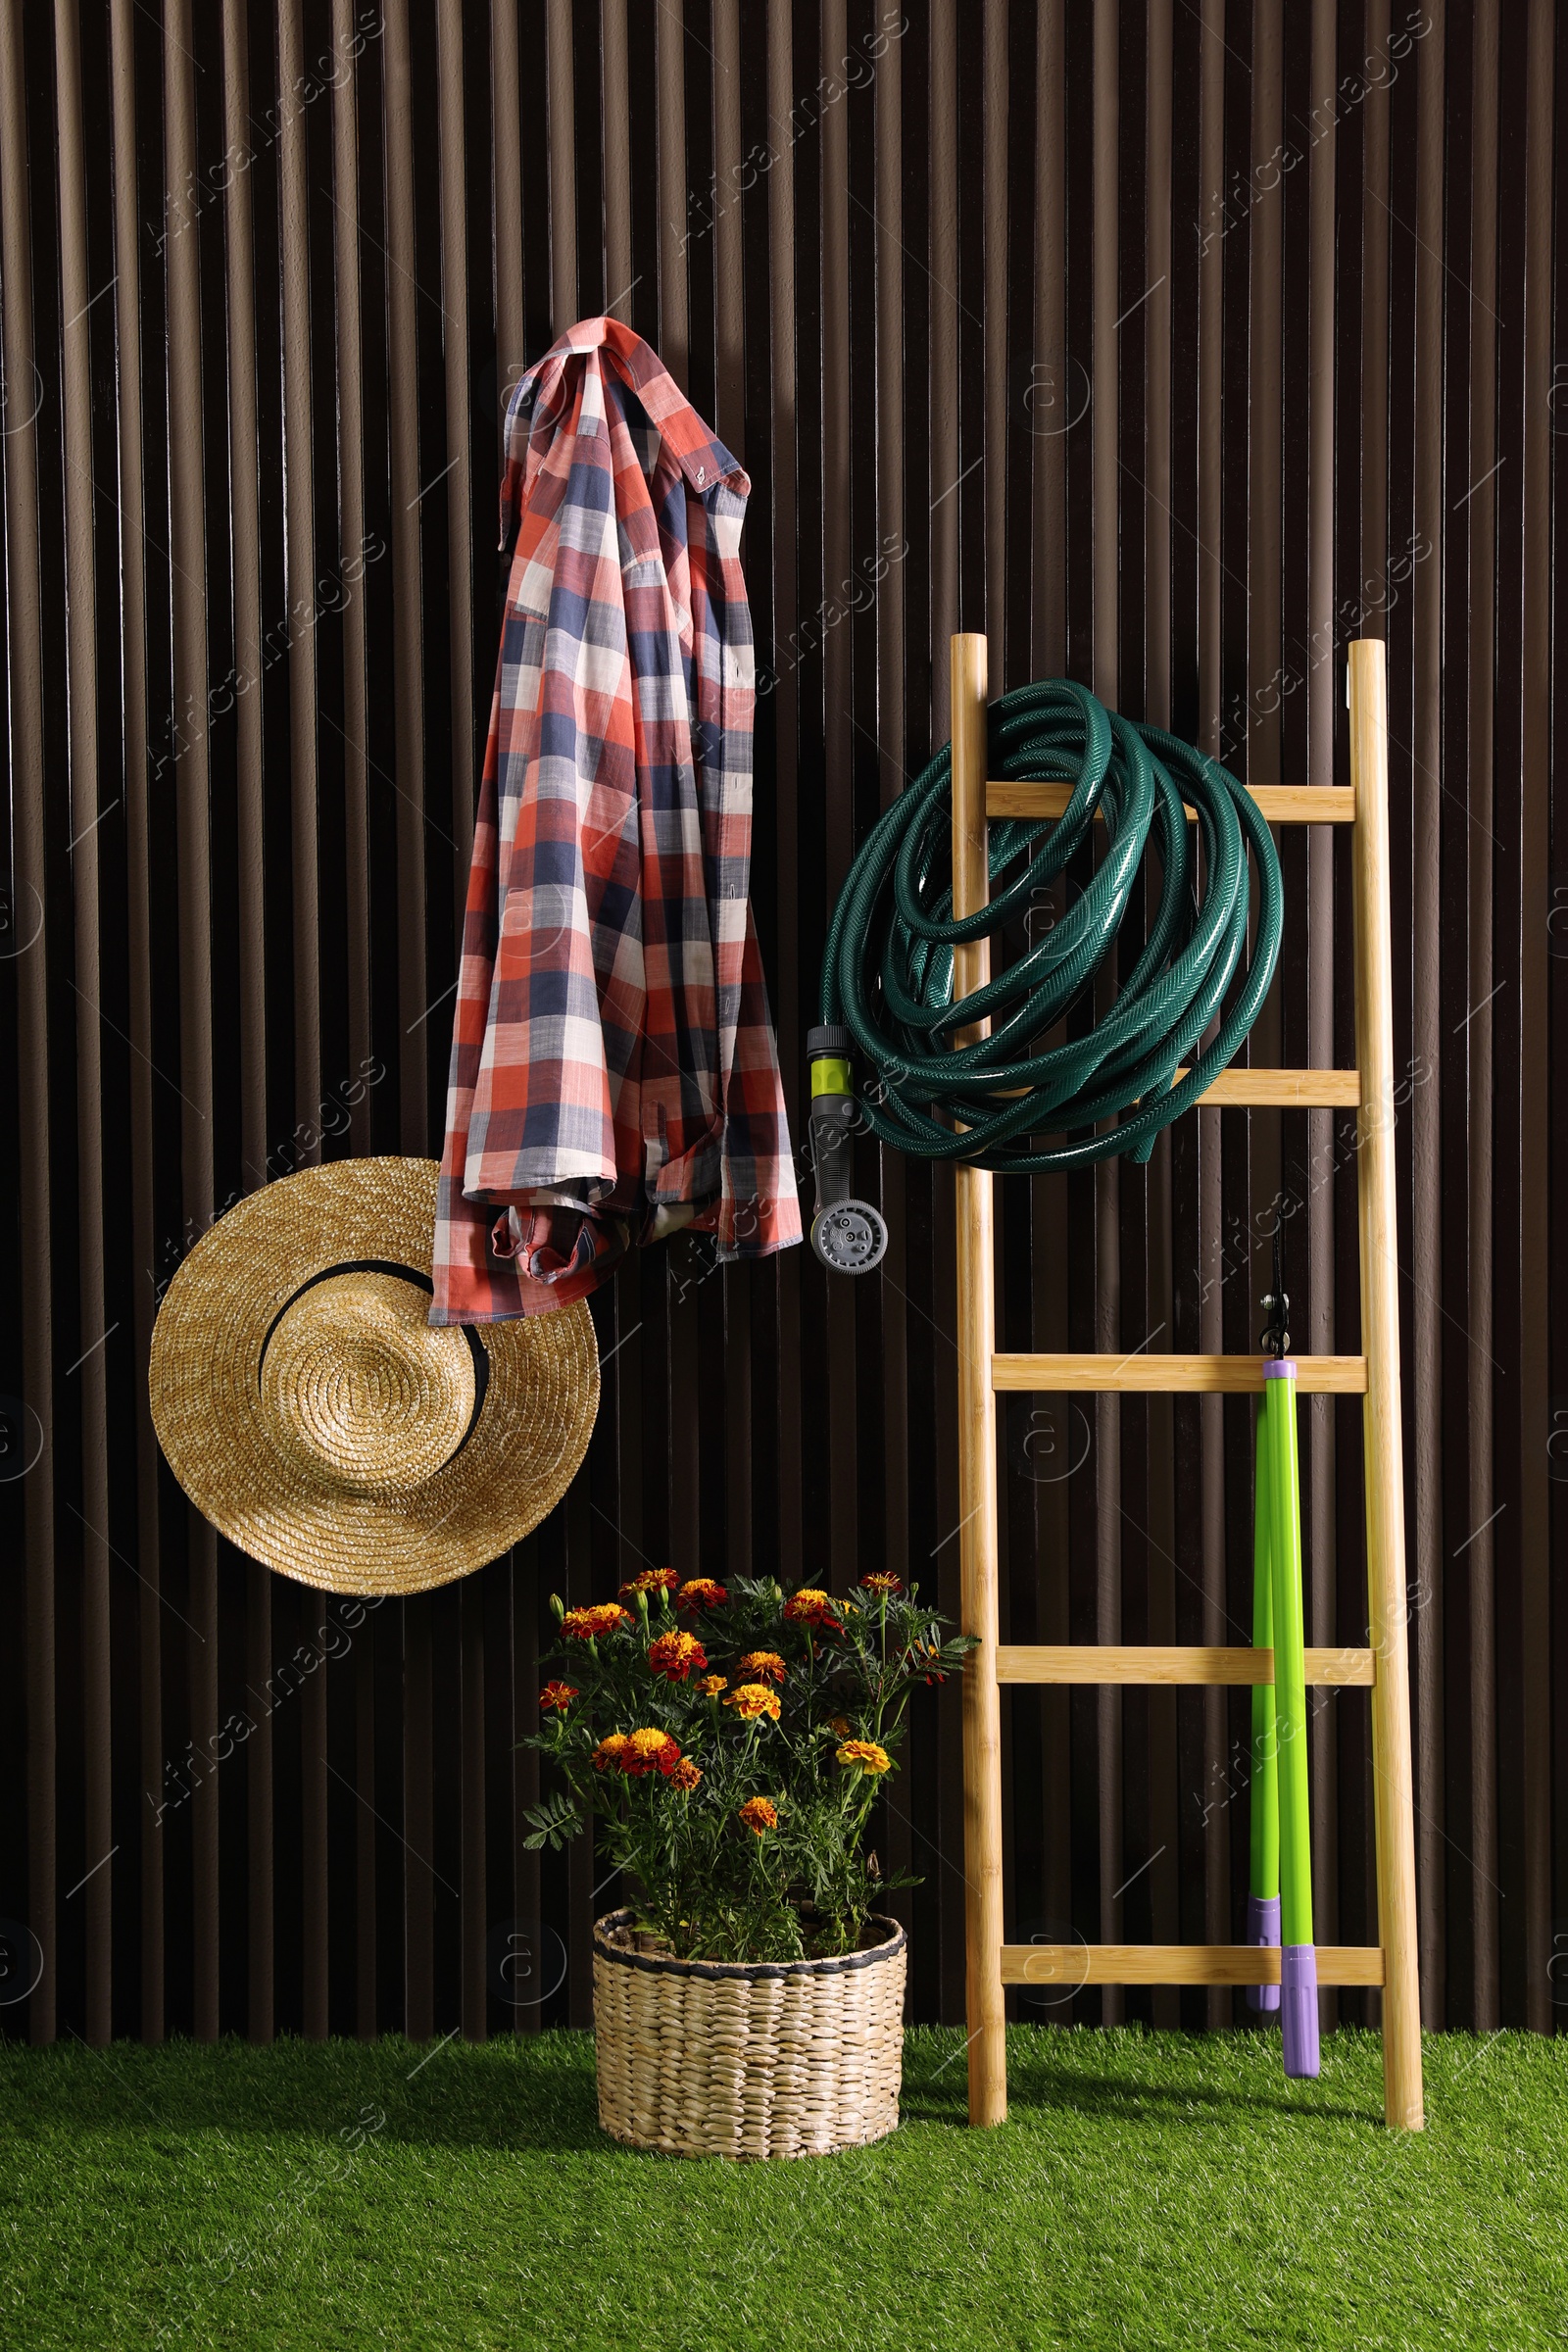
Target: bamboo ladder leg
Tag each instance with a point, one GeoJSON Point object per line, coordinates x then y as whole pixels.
{"type": "Point", "coordinates": [1388, 1609]}
{"type": "Point", "coordinates": [977, 1443]}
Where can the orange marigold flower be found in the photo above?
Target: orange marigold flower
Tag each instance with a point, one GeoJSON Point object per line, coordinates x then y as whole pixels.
{"type": "Point", "coordinates": [586, 1624]}
{"type": "Point", "coordinates": [651, 1580]}
{"type": "Point", "coordinates": [841, 1724]}
{"type": "Point", "coordinates": [811, 1606]}
{"type": "Point", "coordinates": [701, 1592]}
{"type": "Point", "coordinates": [752, 1699]}
{"type": "Point", "coordinates": [865, 1756]}
{"type": "Point", "coordinates": [712, 1683]}
{"type": "Point", "coordinates": [649, 1751]}
{"type": "Point", "coordinates": [685, 1774]}
{"type": "Point", "coordinates": [759, 1813]}
{"type": "Point", "coordinates": [559, 1695]}
{"type": "Point", "coordinates": [763, 1666]}
{"type": "Point", "coordinates": [882, 1582]}
{"type": "Point", "coordinates": [677, 1656]}
{"type": "Point", "coordinates": [608, 1751]}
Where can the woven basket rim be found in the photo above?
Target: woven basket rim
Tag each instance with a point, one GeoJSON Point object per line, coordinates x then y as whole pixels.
{"type": "Point", "coordinates": [662, 1964]}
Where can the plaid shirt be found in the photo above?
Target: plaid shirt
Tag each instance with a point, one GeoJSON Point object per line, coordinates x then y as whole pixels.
{"type": "Point", "coordinates": [611, 1052]}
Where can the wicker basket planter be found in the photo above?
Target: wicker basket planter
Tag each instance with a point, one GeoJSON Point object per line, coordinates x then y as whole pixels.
{"type": "Point", "coordinates": [772, 2058]}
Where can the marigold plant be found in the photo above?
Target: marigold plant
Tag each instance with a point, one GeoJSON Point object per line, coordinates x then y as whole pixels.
{"type": "Point", "coordinates": [733, 1777]}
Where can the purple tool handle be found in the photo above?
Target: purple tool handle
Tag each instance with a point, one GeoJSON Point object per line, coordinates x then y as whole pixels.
{"type": "Point", "coordinates": [1263, 1927]}
{"type": "Point", "coordinates": [1298, 2010]}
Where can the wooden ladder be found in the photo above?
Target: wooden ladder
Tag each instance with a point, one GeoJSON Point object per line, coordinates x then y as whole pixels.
{"type": "Point", "coordinates": [991, 1963]}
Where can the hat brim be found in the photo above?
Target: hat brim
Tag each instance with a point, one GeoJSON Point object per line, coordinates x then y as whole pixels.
{"type": "Point", "coordinates": [532, 1431]}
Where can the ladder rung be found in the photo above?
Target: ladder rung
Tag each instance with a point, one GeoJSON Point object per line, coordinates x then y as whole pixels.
{"type": "Point", "coordinates": [1279, 804]}
{"type": "Point", "coordinates": [1107, 1662]}
{"type": "Point", "coordinates": [1284, 1090]}
{"type": "Point", "coordinates": [1258, 1090]}
{"type": "Point", "coordinates": [1174, 1375]}
{"type": "Point", "coordinates": [1078, 1964]}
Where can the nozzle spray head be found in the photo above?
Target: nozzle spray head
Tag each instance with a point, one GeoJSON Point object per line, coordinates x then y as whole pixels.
{"type": "Point", "coordinates": [848, 1235]}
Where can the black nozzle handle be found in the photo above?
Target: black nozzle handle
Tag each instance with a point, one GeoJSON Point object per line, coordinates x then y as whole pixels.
{"type": "Point", "coordinates": [855, 1241]}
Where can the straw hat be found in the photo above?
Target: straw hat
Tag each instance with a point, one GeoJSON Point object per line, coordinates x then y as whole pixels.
{"type": "Point", "coordinates": [311, 1412]}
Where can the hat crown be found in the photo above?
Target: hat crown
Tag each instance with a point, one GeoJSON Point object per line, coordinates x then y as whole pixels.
{"type": "Point", "coordinates": [359, 1389]}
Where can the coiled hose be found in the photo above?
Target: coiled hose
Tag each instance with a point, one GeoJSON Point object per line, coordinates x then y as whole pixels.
{"type": "Point", "coordinates": [887, 972]}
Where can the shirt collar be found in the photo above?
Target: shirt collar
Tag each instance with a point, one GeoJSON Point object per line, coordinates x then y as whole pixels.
{"type": "Point", "coordinates": [701, 455]}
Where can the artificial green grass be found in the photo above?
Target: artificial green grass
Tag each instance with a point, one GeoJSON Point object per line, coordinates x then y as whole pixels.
{"type": "Point", "coordinates": [1147, 2190]}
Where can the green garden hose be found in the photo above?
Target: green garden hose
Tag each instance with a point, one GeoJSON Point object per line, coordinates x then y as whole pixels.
{"type": "Point", "coordinates": [887, 972]}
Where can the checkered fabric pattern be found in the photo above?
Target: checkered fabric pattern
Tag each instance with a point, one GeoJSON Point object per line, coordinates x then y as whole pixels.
{"type": "Point", "coordinates": [612, 1049]}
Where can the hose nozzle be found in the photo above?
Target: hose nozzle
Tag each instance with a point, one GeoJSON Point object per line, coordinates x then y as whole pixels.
{"type": "Point", "coordinates": [848, 1235]}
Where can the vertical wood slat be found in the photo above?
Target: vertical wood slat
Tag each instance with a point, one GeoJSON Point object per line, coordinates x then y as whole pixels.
{"type": "Point", "coordinates": [1531, 917]}
{"type": "Point", "coordinates": [191, 781]}
{"type": "Point", "coordinates": [946, 456]}
{"type": "Point", "coordinates": [25, 707]}
{"type": "Point", "coordinates": [88, 809]}
{"type": "Point", "coordinates": [1163, 1766]}
{"type": "Point", "coordinates": [459, 483]}
{"type": "Point", "coordinates": [408, 667]}
{"type": "Point", "coordinates": [1211, 286]}
{"type": "Point", "coordinates": [248, 661]}
{"type": "Point", "coordinates": [783, 713]}
{"type": "Point", "coordinates": [1426, 1379]}
{"type": "Point", "coordinates": [1481, 510]}
{"type": "Point", "coordinates": [133, 654]}
{"type": "Point", "coordinates": [891, 521]}
{"type": "Point", "coordinates": [1106, 1181]}
{"type": "Point", "coordinates": [1322, 680]}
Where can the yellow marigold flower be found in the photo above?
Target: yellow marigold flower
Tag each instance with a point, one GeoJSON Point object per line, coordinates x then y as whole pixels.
{"type": "Point", "coordinates": [701, 1592]}
{"type": "Point", "coordinates": [759, 1813]}
{"type": "Point", "coordinates": [608, 1751]}
{"type": "Point", "coordinates": [865, 1756]}
{"type": "Point", "coordinates": [752, 1699]}
{"type": "Point", "coordinates": [651, 1580]}
{"type": "Point", "coordinates": [811, 1606]}
{"type": "Point", "coordinates": [676, 1657]}
{"type": "Point", "coordinates": [650, 1750]}
{"type": "Point", "coordinates": [685, 1774]}
{"type": "Point", "coordinates": [763, 1666]}
{"type": "Point", "coordinates": [587, 1625]}
{"type": "Point", "coordinates": [712, 1683]}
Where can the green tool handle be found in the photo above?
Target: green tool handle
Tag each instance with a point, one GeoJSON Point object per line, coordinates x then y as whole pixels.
{"type": "Point", "coordinates": [1264, 1790]}
{"type": "Point", "coordinates": [1290, 1660]}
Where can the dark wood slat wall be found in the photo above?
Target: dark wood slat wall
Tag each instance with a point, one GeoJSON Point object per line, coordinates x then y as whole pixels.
{"type": "Point", "coordinates": [1171, 346]}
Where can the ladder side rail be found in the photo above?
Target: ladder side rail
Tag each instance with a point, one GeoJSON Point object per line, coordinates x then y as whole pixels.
{"type": "Point", "coordinates": [977, 1442]}
{"type": "Point", "coordinates": [1388, 1607]}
